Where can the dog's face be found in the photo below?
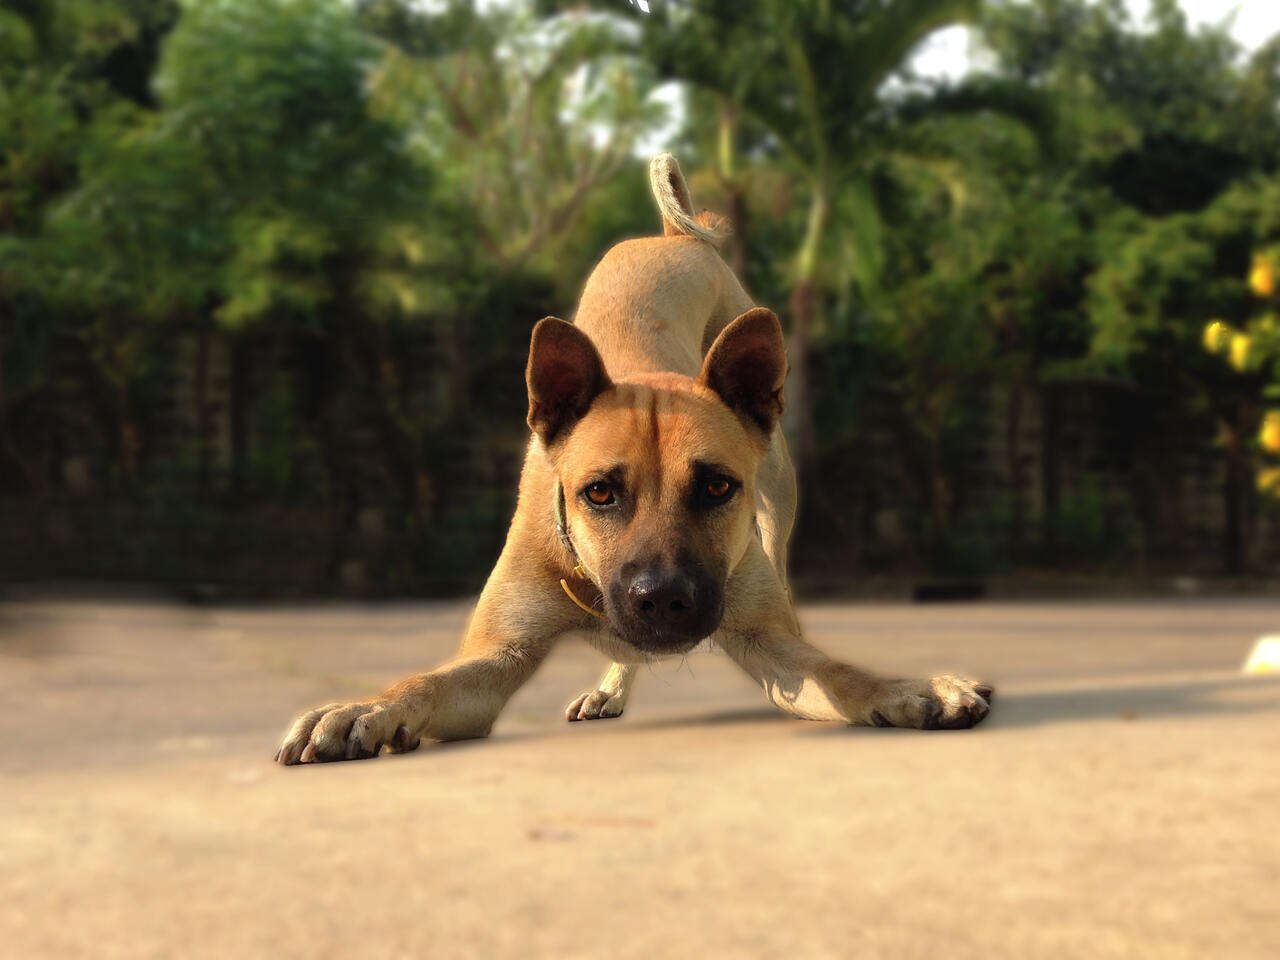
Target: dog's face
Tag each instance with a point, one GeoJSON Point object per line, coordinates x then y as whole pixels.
{"type": "Point", "coordinates": [659, 472]}
{"type": "Point", "coordinates": [659, 496]}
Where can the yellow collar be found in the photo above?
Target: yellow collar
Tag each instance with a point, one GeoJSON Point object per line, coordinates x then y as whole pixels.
{"type": "Point", "coordinates": [562, 528]}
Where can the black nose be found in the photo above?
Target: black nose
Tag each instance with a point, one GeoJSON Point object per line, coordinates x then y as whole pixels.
{"type": "Point", "coordinates": [663, 600]}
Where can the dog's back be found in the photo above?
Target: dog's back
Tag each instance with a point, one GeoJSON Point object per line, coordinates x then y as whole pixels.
{"type": "Point", "coordinates": [657, 303]}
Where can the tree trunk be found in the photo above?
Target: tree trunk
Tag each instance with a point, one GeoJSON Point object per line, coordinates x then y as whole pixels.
{"type": "Point", "coordinates": [801, 305]}
{"type": "Point", "coordinates": [1233, 496]}
{"type": "Point", "coordinates": [798, 406]}
{"type": "Point", "coordinates": [338, 431]}
{"type": "Point", "coordinates": [1017, 503]}
{"type": "Point", "coordinates": [238, 403]}
{"type": "Point", "coordinates": [1051, 472]}
{"type": "Point", "coordinates": [736, 208]}
{"type": "Point", "coordinates": [400, 444]}
{"type": "Point", "coordinates": [6, 437]}
{"type": "Point", "coordinates": [203, 349]}
{"type": "Point", "coordinates": [126, 432]}
{"type": "Point", "coordinates": [939, 490]}
{"type": "Point", "coordinates": [459, 342]}
{"type": "Point", "coordinates": [737, 213]}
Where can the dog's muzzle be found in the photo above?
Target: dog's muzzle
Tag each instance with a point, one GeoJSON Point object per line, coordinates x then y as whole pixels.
{"type": "Point", "coordinates": [665, 610]}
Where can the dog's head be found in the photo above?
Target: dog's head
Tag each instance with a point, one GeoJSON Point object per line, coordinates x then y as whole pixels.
{"type": "Point", "coordinates": [658, 472]}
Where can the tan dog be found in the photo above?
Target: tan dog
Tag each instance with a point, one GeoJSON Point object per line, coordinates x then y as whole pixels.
{"type": "Point", "coordinates": [655, 507]}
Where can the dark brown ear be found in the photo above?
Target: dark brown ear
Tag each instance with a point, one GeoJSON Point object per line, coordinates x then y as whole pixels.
{"type": "Point", "coordinates": [565, 374]}
{"type": "Point", "coordinates": [747, 365]}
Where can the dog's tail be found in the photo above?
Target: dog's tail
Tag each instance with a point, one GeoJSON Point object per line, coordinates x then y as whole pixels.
{"type": "Point", "coordinates": [676, 207]}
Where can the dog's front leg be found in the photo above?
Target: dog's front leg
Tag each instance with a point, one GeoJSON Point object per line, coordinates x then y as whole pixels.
{"type": "Point", "coordinates": [456, 701]}
{"type": "Point", "coordinates": [515, 625]}
{"type": "Point", "coordinates": [759, 633]}
{"type": "Point", "coordinates": [609, 698]}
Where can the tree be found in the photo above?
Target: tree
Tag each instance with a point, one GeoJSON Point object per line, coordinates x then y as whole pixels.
{"type": "Point", "coordinates": [263, 189]}
{"type": "Point", "coordinates": [1254, 346]}
{"type": "Point", "coordinates": [812, 76]}
{"type": "Point", "coordinates": [1149, 305]}
{"type": "Point", "coordinates": [985, 262]}
{"type": "Point", "coordinates": [68, 75]}
{"type": "Point", "coordinates": [1156, 129]}
{"type": "Point", "coordinates": [529, 123]}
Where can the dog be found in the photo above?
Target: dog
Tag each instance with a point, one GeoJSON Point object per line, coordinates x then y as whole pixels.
{"type": "Point", "coordinates": [655, 507]}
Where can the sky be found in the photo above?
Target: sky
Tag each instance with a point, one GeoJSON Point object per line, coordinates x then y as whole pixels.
{"type": "Point", "coordinates": [946, 54]}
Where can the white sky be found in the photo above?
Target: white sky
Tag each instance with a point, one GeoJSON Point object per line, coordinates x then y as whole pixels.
{"type": "Point", "coordinates": [947, 52]}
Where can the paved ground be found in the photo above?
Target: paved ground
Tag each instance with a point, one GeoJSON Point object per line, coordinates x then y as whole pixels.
{"type": "Point", "coordinates": [1123, 800]}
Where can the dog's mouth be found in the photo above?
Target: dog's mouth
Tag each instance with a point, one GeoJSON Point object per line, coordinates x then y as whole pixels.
{"type": "Point", "coordinates": [658, 643]}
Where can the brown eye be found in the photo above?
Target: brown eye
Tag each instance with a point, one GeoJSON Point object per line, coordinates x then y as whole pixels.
{"type": "Point", "coordinates": [717, 488]}
{"type": "Point", "coordinates": [601, 494]}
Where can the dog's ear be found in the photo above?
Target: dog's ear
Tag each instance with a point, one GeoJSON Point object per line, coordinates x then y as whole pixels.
{"type": "Point", "coordinates": [747, 365]}
{"type": "Point", "coordinates": [565, 373]}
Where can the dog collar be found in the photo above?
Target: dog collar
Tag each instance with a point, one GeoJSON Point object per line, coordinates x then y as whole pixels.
{"type": "Point", "coordinates": [562, 528]}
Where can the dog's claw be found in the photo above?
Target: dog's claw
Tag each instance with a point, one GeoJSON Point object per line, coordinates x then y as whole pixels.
{"type": "Point", "coordinates": [347, 731]}
{"type": "Point", "coordinates": [402, 742]}
{"type": "Point", "coordinates": [595, 705]}
{"type": "Point", "coordinates": [879, 720]}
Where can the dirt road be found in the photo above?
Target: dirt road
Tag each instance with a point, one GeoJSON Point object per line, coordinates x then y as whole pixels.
{"type": "Point", "coordinates": [1123, 799]}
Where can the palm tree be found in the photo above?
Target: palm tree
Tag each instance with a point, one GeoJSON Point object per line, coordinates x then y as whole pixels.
{"type": "Point", "coordinates": [813, 74]}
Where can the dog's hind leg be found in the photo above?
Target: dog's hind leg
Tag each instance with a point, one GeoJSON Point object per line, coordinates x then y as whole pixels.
{"type": "Point", "coordinates": [608, 699]}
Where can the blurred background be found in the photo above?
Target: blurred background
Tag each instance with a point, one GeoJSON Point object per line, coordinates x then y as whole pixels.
{"type": "Point", "coordinates": [268, 270]}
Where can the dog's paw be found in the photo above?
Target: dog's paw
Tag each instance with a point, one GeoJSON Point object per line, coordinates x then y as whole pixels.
{"type": "Point", "coordinates": [943, 703]}
{"type": "Point", "coordinates": [596, 705]}
{"type": "Point", "coordinates": [348, 731]}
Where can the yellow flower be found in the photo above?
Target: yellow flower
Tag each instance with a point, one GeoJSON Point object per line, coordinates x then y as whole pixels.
{"type": "Point", "coordinates": [1240, 344]}
{"type": "Point", "coordinates": [1269, 435]}
{"type": "Point", "coordinates": [1262, 278]}
{"type": "Point", "coordinates": [1269, 480]}
{"type": "Point", "coordinates": [1215, 335]}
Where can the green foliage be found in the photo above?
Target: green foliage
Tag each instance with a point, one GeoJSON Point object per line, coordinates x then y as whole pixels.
{"type": "Point", "coordinates": [268, 267]}
{"type": "Point", "coordinates": [298, 171]}
{"type": "Point", "coordinates": [1150, 302]}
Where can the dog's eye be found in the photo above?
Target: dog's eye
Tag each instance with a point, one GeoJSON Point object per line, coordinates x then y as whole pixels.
{"type": "Point", "coordinates": [600, 493]}
{"type": "Point", "coordinates": [716, 489]}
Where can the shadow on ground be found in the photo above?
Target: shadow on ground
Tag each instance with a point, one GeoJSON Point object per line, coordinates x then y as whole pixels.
{"type": "Point", "coordinates": [1223, 695]}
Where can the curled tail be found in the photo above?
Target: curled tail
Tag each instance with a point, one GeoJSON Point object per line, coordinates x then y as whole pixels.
{"type": "Point", "coordinates": [672, 193]}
